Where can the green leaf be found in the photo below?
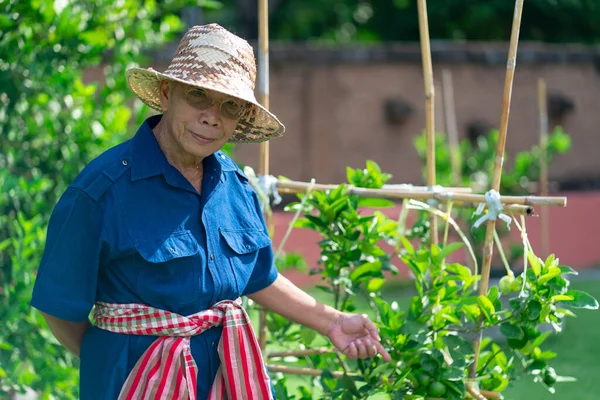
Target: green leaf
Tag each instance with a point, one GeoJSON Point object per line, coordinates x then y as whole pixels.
{"type": "Point", "coordinates": [406, 243]}
{"type": "Point", "coordinates": [97, 37]}
{"type": "Point", "coordinates": [210, 4]}
{"type": "Point", "coordinates": [550, 261]}
{"type": "Point", "coordinates": [472, 311]}
{"type": "Point", "coordinates": [512, 331]}
{"type": "Point", "coordinates": [350, 385]}
{"type": "Point", "coordinates": [352, 256]}
{"type": "Point", "coordinates": [367, 269]}
{"type": "Point", "coordinates": [6, 346]}
{"type": "Point", "coordinates": [453, 374]}
{"type": "Point", "coordinates": [307, 335]}
{"type": "Point", "coordinates": [565, 312]}
{"type": "Point", "coordinates": [545, 355]}
{"type": "Point", "coordinates": [375, 202]}
{"type": "Point", "coordinates": [430, 364]}
{"type": "Point", "coordinates": [373, 168]}
{"type": "Point", "coordinates": [534, 261]}
{"type": "Point", "coordinates": [540, 339]}
{"type": "Point", "coordinates": [350, 175]}
{"type": "Point", "coordinates": [534, 308]}
{"type": "Point", "coordinates": [493, 294]}
{"type": "Point", "coordinates": [4, 244]}
{"type": "Point", "coordinates": [549, 275]}
{"type": "Point", "coordinates": [450, 248]}
{"type": "Point", "coordinates": [317, 221]}
{"type": "Point", "coordinates": [456, 387]}
{"type": "Point", "coordinates": [458, 346]}
{"type": "Point", "coordinates": [375, 284]}
{"type": "Point", "coordinates": [561, 297]}
{"type": "Point", "coordinates": [458, 269]}
{"type": "Point", "coordinates": [581, 300]}
{"type": "Point", "coordinates": [412, 328]}
{"type": "Point", "coordinates": [382, 369]}
{"type": "Point", "coordinates": [486, 306]}
{"type": "Point", "coordinates": [372, 250]}
{"type": "Point", "coordinates": [328, 381]}
{"type": "Point", "coordinates": [281, 390]}
{"type": "Point", "coordinates": [566, 270]}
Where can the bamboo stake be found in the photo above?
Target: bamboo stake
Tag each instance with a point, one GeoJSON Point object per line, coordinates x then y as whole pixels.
{"type": "Point", "coordinates": [544, 217]}
{"type": "Point", "coordinates": [490, 395]}
{"type": "Point", "coordinates": [263, 74]}
{"type": "Point", "coordinates": [306, 371]}
{"type": "Point", "coordinates": [394, 188]}
{"type": "Point", "coordinates": [429, 107]}
{"type": "Point", "coordinates": [301, 353]}
{"type": "Point", "coordinates": [516, 209]}
{"type": "Point", "coordinates": [482, 394]}
{"type": "Point", "coordinates": [300, 187]}
{"type": "Point", "coordinates": [451, 126]}
{"type": "Point", "coordinates": [263, 98]}
{"type": "Point", "coordinates": [498, 162]}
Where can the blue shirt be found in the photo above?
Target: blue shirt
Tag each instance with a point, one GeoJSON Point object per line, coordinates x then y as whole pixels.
{"type": "Point", "coordinates": [132, 229]}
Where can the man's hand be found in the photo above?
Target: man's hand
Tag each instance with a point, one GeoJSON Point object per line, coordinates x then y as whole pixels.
{"type": "Point", "coordinates": [353, 334]}
{"type": "Point", "coordinates": [356, 336]}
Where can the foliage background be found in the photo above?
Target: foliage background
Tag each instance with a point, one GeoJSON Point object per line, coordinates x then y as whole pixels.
{"type": "Point", "coordinates": [557, 21]}
{"type": "Point", "coordinates": [51, 125]}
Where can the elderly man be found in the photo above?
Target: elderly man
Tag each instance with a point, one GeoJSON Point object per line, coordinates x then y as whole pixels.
{"type": "Point", "coordinates": [163, 234]}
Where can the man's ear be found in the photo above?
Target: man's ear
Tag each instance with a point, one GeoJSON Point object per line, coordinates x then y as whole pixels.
{"type": "Point", "coordinates": [166, 90]}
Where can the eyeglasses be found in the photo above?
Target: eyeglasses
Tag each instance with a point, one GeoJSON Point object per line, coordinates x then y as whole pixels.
{"type": "Point", "coordinates": [199, 99]}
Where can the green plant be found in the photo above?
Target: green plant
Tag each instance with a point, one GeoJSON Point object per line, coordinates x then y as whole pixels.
{"type": "Point", "coordinates": [431, 341]}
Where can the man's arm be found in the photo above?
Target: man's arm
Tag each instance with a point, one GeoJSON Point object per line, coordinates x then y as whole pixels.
{"type": "Point", "coordinates": [286, 299]}
{"type": "Point", "coordinates": [353, 334]}
{"type": "Point", "coordinates": [69, 334]}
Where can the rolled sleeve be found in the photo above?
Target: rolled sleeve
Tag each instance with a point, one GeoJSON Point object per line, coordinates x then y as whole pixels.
{"type": "Point", "coordinates": [67, 278]}
{"type": "Point", "coordinates": [265, 272]}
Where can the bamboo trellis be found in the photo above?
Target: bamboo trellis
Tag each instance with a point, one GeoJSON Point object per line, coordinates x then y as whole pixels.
{"type": "Point", "coordinates": [263, 98]}
{"type": "Point", "coordinates": [543, 125]}
{"type": "Point", "coordinates": [498, 163]}
{"type": "Point", "coordinates": [522, 205]}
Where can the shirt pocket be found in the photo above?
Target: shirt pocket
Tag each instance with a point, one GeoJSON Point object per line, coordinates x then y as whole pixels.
{"type": "Point", "coordinates": [168, 277]}
{"type": "Point", "coordinates": [242, 248]}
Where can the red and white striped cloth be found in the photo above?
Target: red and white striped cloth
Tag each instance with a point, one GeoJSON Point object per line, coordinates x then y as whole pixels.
{"type": "Point", "coordinates": [167, 369]}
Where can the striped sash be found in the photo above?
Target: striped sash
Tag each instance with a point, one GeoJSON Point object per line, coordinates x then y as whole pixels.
{"type": "Point", "coordinates": [167, 369]}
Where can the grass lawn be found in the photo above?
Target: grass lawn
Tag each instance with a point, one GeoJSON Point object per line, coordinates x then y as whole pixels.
{"type": "Point", "coordinates": [577, 347]}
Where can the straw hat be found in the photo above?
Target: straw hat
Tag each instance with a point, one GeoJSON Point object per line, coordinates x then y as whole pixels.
{"type": "Point", "coordinates": [210, 57]}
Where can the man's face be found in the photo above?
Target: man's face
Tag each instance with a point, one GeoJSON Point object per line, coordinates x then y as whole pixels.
{"type": "Point", "coordinates": [200, 121]}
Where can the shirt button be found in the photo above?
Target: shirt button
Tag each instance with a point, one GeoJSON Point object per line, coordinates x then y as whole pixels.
{"type": "Point", "coordinates": [212, 256]}
{"type": "Point", "coordinates": [124, 162]}
{"type": "Point", "coordinates": [215, 345]}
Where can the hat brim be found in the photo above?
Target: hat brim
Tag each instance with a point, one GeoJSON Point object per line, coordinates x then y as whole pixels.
{"type": "Point", "coordinates": [257, 125]}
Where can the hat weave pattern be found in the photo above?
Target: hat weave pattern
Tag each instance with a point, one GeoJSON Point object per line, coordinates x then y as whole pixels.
{"type": "Point", "coordinates": [210, 57]}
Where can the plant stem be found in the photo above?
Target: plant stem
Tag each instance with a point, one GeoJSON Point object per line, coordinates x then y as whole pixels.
{"type": "Point", "coordinates": [489, 361]}
{"type": "Point", "coordinates": [296, 216]}
{"type": "Point", "coordinates": [502, 255]}
{"type": "Point", "coordinates": [448, 213]}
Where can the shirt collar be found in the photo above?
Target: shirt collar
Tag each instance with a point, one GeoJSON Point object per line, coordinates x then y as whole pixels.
{"type": "Point", "coordinates": [149, 160]}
